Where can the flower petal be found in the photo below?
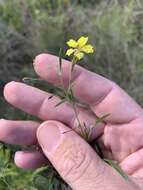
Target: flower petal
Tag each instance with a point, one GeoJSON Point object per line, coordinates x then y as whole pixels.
{"type": "Point", "coordinates": [79, 55]}
{"type": "Point", "coordinates": [72, 43]}
{"type": "Point", "coordinates": [82, 41]}
{"type": "Point", "coordinates": [88, 49]}
{"type": "Point", "coordinates": [69, 51]}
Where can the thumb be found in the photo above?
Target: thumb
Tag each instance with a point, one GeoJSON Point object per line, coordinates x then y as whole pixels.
{"type": "Point", "coordinates": [76, 162]}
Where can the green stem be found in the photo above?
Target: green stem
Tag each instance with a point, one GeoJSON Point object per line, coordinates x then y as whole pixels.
{"type": "Point", "coordinates": [83, 134]}
{"type": "Point", "coordinates": [73, 62]}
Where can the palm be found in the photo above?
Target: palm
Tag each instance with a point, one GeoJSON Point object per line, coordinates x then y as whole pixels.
{"type": "Point", "coordinates": [120, 135]}
{"type": "Point", "coordinates": [121, 143]}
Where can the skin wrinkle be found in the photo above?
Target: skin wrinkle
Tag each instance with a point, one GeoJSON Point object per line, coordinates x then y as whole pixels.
{"type": "Point", "coordinates": [114, 134]}
{"type": "Point", "coordinates": [84, 171]}
{"type": "Point", "coordinates": [68, 151]}
{"type": "Point", "coordinates": [73, 119]}
{"type": "Point", "coordinates": [134, 167]}
{"type": "Point", "coordinates": [74, 166]}
{"type": "Point", "coordinates": [75, 75]}
{"type": "Point", "coordinates": [58, 111]}
{"type": "Point", "coordinates": [88, 175]}
{"type": "Point", "coordinates": [41, 105]}
{"type": "Point", "coordinates": [84, 95]}
{"type": "Point", "coordinates": [138, 146]}
{"type": "Point", "coordinates": [101, 99]}
{"type": "Point", "coordinates": [133, 144]}
{"type": "Point", "coordinates": [115, 118]}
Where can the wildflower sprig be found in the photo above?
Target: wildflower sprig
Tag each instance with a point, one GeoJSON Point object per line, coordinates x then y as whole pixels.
{"type": "Point", "coordinates": [76, 51]}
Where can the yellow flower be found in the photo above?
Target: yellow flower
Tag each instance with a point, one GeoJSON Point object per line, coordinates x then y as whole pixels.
{"type": "Point", "coordinates": [79, 48]}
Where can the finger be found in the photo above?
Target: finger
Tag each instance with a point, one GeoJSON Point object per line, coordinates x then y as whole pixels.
{"type": "Point", "coordinates": [30, 160]}
{"type": "Point", "coordinates": [21, 96]}
{"type": "Point", "coordinates": [104, 97]}
{"type": "Point", "coordinates": [133, 163]}
{"type": "Point", "coordinates": [18, 132]}
{"type": "Point", "coordinates": [75, 160]}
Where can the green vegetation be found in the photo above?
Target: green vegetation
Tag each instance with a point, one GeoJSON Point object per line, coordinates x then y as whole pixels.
{"type": "Point", "coordinates": [30, 27]}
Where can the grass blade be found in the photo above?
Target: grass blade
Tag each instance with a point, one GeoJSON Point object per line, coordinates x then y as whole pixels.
{"type": "Point", "coordinates": [60, 61]}
{"type": "Point", "coordinates": [117, 168]}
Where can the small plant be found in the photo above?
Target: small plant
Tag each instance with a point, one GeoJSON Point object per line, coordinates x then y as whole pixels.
{"type": "Point", "coordinates": [76, 51]}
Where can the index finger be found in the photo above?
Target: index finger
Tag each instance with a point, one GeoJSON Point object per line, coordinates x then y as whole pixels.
{"type": "Point", "coordinates": [101, 94]}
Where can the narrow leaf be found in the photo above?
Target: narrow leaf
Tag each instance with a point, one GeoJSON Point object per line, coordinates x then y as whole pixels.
{"type": "Point", "coordinates": [39, 170]}
{"type": "Point", "coordinates": [117, 168]}
{"type": "Point", "coordinates": [60, 61]}
{"type": "Point", "coordinates": [100, 119]}
{"type": "Point", "coordinates": [61, 102]}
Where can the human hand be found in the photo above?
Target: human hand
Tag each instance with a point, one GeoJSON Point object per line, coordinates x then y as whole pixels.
{"type": "Point", "coordinates": [120, 135]}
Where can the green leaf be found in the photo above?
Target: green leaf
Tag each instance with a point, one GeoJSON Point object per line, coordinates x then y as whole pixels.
{"type": "Point", "coordinates": [38, 171]}
{"type": "Point", "coordinates": [101, 119]}
{"type": "Point", "coordinates": [41, 182]}
{"type": "Point", "coordinates": [117, 168]}
{"type": "Point", "coordinates": [61, 102]}
{"type": "Point", "coordinates": [60, 92]}
{"type": "Point", "coordinates": [60, 61]}
{"type": "Point", "coordinates": [30, 80]}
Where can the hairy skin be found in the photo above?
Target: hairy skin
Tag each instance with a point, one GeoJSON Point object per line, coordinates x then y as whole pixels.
{"type": "Point", "coordinates": [120, 135]}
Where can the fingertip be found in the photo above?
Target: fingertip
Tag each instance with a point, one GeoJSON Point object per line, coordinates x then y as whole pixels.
{"type": "Point", "coordinates": [29, 160]}
{"type": "Point", "coordinates": [44, 66]}
{"type": "Point", "coordinates": [40, 57]}
{"type": "Point", "coordinates": [18, 160]}
{"type": "Point", "coordinates": [9, 91]}
{"type": "Point", "coordinates": [43, 58]}
{"type": "Point", "coordinates": [51, 123]}
{"type": "Point", "coordinates": [3, 131]}
{"type": "Point", "coordinates": [18, 132]}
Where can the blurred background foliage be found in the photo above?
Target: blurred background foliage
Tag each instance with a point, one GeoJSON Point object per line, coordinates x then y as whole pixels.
{"type": "Point", "coordinates": [27, 28]}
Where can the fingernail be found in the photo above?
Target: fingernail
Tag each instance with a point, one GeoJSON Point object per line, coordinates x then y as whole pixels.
{"type": "Point", "coordinates": [48, 135]}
